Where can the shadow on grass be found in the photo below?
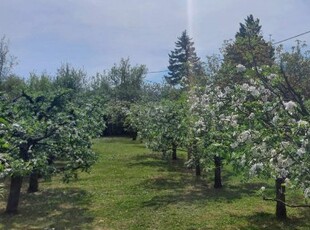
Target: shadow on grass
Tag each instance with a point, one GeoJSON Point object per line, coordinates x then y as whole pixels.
{"type": "Point", "coordinates": [262, 220]}
{"type": "Point", "coordinates": [181, 185]}
{"type": "Point", "coordinates": [187, 189]}
{"type": "Point", "coordinates": [157, 160]}
{"type": "Point", "coordinates": [118, 140]}
{"type": "Point", "coordinates": [55, 208]}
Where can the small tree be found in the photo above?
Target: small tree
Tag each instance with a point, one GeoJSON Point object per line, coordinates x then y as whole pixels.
{"type": "Point", "coordinates": [295, 68]}
{"type": "Point", "coordinates": [126, 81]}
{"type": "Point", "coordinates": [40, 83]}
{"type": "Point", "coordinates": [207, 130]}
{"type": "Point", "coordinates": [160, 126]}
{"type": "Point", "coordinates": [12, 85]}
{"type": "Point", "coordinates": [70, 78]}
{"type": "Point", "coordinates": [7, 61]}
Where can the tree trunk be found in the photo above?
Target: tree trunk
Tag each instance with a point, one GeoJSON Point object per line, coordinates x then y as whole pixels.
{"type": "Point", "coordinates": [189, 152]}
{"type": "Point", "coordinates": [280, 196]}
{"type": "Point", "coordinates": [13, 199]}
{"type": "Point", "coordinates": [134, 136]}
{"type": "Point", "coordinates": [198, 169]}
{"type": "Point", "coordinates": [33, 182]}
{"type": "Point", "coordinates": [217, 172]}
{"type": "Point", "coordinates": [174, 151]}
{"type": "Point", "coordinates": [16, 183]}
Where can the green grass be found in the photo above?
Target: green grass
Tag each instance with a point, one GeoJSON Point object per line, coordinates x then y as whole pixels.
{"type": "Point", "coordinates": [132, 188]}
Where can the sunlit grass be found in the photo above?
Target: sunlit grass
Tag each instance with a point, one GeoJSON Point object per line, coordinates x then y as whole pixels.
{"type": "Point", "coordinates": [132, 188]}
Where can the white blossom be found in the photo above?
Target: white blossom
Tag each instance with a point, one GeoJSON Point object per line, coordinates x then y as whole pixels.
{"type": "Point", "coordinates": [271, 76]}
{"type": "Point", "coordinates": [251, 116]}
{"type": "Point", "coordinates": [234, 145]}
{"type": "Point", "coordinates": [240, 68]}
{"type": "Point", "coordinates": [290, 106]}
{"type": "Point", "coordinates": [254, 91]}
{"type": "Point", "coordinates": [233, 120]}
{"type": "Point", "coordinates": [245, 86]}
{"type": "Point", "coordinates": [287, 182]}
{"type": "Point", "coordinates": [256, 168]}
{"type": "Point", "coordinates": [282, 172]}
{"type": "Point", "coordinates": [307, 193]}
{"type": "Point", "coordinates": [302, 124]}
{"type": "Point", "coordinates": [301, 151]}
{"type": "Point", "coordinates": [275, 119]}
{"type": "Point", "coordinates": [243, 160]}
{"type": "Point", "coordinates": [227, 90]}
{"type": "Point", "coordinates": [244, 136]}
{"type": "Point", "coordinates": [285, 144]}
{"type": "Point", "coordinates": [16, 126]}
{"type": "Point", "coordinates": [305, 142]}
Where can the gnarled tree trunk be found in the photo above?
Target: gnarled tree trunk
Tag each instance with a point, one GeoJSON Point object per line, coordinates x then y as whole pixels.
{"type": "Point", "coordinates": [13, 199]}
{"type": "Point", "coordinates": [217, 172]}
{"type": "Point", "coordinates": [280, 197]}
{"type": "Point", "coordinates": [16, 183]}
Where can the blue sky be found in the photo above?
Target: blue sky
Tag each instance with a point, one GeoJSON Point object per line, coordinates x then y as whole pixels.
{"type": "Point", "coordinates": [95, 34]}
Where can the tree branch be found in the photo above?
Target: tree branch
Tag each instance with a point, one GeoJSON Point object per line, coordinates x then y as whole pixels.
{"type": "Point", "coordinates": [286, 204]}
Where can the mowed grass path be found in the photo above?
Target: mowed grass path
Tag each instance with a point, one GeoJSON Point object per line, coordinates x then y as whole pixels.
{"type": "Point", "coordinates": [132, 188]}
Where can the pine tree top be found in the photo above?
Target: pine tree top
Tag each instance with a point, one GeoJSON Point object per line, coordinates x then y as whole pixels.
{"type": "Point", "coordinates": [250, 28]}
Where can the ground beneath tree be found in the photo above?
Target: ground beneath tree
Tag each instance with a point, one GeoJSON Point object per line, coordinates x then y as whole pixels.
{"type": "Point", "coordinates": [132, 188]}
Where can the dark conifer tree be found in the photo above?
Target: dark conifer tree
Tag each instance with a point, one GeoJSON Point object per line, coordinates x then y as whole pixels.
{"type": "Point", "coordinates": [249, 48]}
{"type": "Point", "coordinates": [183, 61]}
{"type": "Point", "coordinates": [250, 28]}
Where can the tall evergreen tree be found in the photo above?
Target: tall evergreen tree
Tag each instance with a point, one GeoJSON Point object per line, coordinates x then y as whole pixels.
{"type": "Point", "coordinates": [249, 48]}
{"type": "Point", "coordinates": [250, 28]}
{"type": "Point", "coordinates": [183, 61]}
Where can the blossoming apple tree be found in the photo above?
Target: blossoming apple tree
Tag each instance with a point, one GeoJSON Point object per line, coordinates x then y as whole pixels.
{"type": "Point", "coordinates": [44, 135]}
{"type": "Point", "coordinates": [257, 127]}
{"type": "Point", "coordinates": [160, 125]}
{"type": "Point", "coordinates": [208, 129]}
{"type": "Point", "coordinates": [271, 135]}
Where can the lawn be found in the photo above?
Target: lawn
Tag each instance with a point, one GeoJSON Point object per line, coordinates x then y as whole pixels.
{"type": "Point", "coordinates": [133, 188]}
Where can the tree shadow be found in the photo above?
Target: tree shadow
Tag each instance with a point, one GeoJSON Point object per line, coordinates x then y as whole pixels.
{"type": "Point", "coordinates": [157, 160]}
{"type": "Point", "coordinates": [263, 220]}
{"type": "Point", "coordinates": [189, 189]}
{"type": "Point", "coordinates": [123, 139]}
{"type": "Point", "coordinates": [184, 186]}
{"type": "Point", "coordinates": [61, 208]}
